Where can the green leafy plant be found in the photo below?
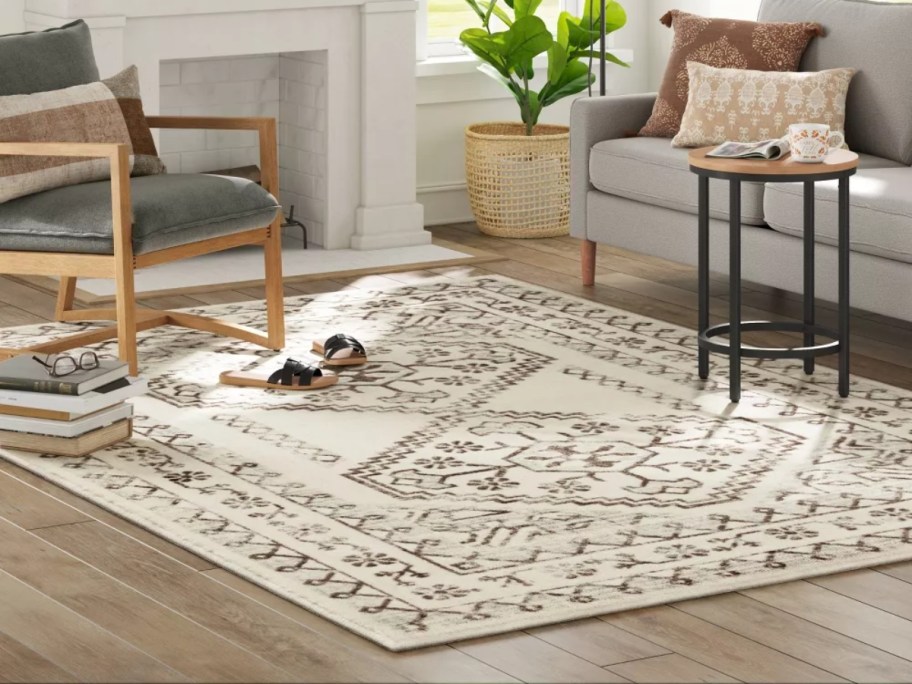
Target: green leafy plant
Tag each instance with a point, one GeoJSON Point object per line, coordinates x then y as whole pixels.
{"type": "Point", "coordinates": [508, 55]}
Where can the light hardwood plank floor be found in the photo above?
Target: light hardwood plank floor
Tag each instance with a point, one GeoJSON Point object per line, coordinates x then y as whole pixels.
{"type": "Point", "coordinates": [75, 579]}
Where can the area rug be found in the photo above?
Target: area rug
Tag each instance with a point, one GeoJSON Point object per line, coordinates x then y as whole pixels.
{"type": "Point", "coordinates": [511, 457]}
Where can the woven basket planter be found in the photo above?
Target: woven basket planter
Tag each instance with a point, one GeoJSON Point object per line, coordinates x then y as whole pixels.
{"type": "Point", "coordinates": [519, 185]}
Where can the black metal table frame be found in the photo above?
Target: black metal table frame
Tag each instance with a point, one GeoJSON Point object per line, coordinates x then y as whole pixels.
{"type": "Point", "coordinates": [734, 349]}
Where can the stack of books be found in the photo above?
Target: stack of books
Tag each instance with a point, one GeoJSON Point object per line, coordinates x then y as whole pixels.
{"type": "Point", "coordinates": [72, 415]}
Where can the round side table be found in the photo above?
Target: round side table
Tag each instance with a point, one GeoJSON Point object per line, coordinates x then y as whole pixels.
{"type": "Point", "coordinates": [839, 165]}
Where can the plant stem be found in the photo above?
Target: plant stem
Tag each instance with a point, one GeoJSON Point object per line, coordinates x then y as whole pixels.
{"type": "Point", "coordinates": [527, 113]}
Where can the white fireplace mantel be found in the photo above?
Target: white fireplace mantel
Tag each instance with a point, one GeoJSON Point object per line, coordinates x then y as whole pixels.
{"type": "Point", "coordinates": [371, 93]}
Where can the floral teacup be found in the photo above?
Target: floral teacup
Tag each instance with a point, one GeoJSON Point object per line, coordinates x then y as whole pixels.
{"type": "Point", "coordinates": [810, 143]}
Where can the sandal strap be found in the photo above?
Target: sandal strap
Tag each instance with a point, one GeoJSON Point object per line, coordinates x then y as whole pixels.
{"type": "Point", "coordinates": [305, 373]}
{"type": "Point", "coordinates": [339, 342]}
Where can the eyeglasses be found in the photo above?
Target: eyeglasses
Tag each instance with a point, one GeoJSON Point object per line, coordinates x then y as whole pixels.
{"type": "Point", "coordinates": [67, 365]}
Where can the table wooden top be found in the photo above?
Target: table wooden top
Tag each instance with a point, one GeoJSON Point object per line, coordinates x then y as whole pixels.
{"type": "Point", "coordinates": [834, 162]}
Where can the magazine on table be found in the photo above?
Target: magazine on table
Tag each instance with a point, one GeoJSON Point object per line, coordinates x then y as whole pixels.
{"type": "Point", "coordinates": [765, 149]}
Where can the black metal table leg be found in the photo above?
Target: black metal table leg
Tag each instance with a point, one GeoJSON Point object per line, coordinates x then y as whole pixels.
{"type": "Point", "coordinates": [844, 252]}
{"type": "Point", "coordinates": [734, 286]}
{"type": "Point", "coordinates": [840, 167]}
{"type": "Point", "coordinates": [809, 294]}
{"type": "Point", "coordinates": [703, 271]}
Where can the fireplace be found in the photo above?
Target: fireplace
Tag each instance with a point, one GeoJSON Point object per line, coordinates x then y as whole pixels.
{"type": "Point", "coordinates": [290, 86]}
{"type": "Point", "coordinates": [339, 75]}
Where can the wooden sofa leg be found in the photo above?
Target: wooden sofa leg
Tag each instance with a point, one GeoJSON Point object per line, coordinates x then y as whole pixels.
{"type": "Point", "coordinates": [65, 296]}
{"type": "Point", "coordinates": [275, 296]}
{"type": "Point", "coordinates": [587, 256]}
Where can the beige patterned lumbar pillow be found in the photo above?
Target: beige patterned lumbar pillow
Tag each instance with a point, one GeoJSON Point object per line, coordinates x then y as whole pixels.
{"type": "Point", "coordinates": [103, 112]}
{"type": "Point", "coordinates": [746, 105]}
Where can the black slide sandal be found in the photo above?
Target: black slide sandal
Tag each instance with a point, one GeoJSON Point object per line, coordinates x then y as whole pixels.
{"type": "Point", "coordinates": [341, 350]}
{"type": "Point", "coordinates": [293, 376]}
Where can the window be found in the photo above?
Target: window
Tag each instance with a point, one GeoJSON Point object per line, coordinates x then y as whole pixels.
{"type": "Point", "coordinates": [444, 20]}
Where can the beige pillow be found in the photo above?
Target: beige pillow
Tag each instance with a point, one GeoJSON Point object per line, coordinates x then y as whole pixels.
{"type": "Point", "coordinates": [746, 106]}
{"type": "Point", "coordinates": [104, 112]}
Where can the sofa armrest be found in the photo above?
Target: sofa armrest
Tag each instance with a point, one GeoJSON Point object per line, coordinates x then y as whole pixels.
{"type": "Point", "coordinates": [592, 120]}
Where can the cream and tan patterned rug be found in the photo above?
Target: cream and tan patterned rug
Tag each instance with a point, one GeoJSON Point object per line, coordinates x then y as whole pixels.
{"type": "Point", "coordinates": [511, 457]}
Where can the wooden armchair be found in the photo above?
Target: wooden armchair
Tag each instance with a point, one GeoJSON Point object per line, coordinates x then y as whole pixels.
{"type": "Point", "coordinates": [123, 262]}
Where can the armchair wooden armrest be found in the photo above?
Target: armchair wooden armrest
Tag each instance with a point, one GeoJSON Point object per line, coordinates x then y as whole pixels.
{"type": "Point", "coordinates": [111, 151]}
{"type": "Point", "coordinates": [269, 154]}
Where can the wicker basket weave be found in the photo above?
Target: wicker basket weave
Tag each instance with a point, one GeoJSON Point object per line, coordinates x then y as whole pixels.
{"type": "Point", "coordinates": [519, 185]}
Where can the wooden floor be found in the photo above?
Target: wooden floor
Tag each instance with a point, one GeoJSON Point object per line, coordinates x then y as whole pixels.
{"type": "Point", "coordinates": [85, 596]}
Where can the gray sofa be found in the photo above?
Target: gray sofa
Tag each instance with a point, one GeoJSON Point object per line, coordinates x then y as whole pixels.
{"type": "Point", "coordinates": [638, 193]}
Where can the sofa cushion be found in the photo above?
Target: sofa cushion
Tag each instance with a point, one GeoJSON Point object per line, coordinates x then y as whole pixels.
{"type": "Point", "coordinates": [881, 211]}
{"type": "Point", "coordinates": [168, 210]}
{"type": "Point", "coordinates": [650, 170]}
{"type": "Point", "coordinates": [874, 39]}
{"type": "Point", "coordinates": [47, 60]}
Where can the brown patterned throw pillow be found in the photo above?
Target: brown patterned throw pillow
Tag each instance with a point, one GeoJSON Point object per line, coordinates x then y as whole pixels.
{"type": "Point", "coordinates": [725, 43]}
{"type": "Point", "coordinates": [125, 88]}
{"type": "Point", "coordinates": [102, 112]}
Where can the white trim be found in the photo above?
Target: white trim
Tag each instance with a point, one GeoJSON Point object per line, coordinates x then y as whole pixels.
{"type": "Point", "coordinates": [38, 19]}
{"type": "Point", "coordinates": [445, 203]}
{"type": "Point", "coordinates": [421, 32]}
{"type": "Point", "coordinates": [390, 6]}
{"type": "Point", "coordinates": [165, 8]}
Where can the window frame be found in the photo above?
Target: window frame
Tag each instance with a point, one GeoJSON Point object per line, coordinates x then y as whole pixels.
{"type": "Point", "coordinates": [442, 49]}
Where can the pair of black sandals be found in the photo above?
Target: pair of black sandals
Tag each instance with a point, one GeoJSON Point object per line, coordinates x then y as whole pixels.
{"type": "Point", "coordinates": [338, 350]}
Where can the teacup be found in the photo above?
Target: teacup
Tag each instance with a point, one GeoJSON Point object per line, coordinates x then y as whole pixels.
{"type": "Point", "coordinates": [810, 143]}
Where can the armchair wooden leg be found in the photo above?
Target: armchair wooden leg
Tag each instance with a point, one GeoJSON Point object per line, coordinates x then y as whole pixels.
{"type": "Point", "coordinates": [125, 305]}
{"type": "Point", "coordinates": [126, 316]}
{"type": "Point", "coordinates": [275, 299]}
{"type": "Point", "coordinates": [65, 296]}
{"type": "Point", "coordinates": [587, 256]}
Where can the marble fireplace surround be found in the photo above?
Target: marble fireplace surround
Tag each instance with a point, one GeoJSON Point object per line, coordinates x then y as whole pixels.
{"type": "Point", "coordinates": [370, 47]}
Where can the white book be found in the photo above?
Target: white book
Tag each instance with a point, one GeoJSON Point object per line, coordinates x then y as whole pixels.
{"type": "Point", "coordinates": [67, 428]}
{"type": "Point", "coordinates": [90, 402]}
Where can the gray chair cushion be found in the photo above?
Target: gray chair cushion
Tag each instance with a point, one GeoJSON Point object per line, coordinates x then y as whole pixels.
{"type": "Point", "coordinates": [651, 171]}
{"type": "Point", "coordinates": [874, 39]}
{"type": "Point", "coordinates": [881, 212]}
{"type": "Point", "coordinates": [168, 210]}
{"type": "Point", "coordinates": [47, 60]}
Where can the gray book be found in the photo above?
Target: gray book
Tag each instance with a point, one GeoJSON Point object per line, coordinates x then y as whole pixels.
{"type": "Point", "coordinates": [24, 374]}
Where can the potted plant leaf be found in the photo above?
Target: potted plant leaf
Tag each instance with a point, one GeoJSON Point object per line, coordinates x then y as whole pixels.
{"type": "Point", "coordinates": [518, 174]}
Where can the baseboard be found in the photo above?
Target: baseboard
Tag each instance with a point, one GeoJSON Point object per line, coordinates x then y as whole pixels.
{"type": "Point", "coordinates": [445, 203]}
{"type": "Point", "coordinates": [397, 225]}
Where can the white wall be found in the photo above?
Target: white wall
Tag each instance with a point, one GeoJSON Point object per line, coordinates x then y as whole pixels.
{"type": "Point", "coordinates": [11, 16]}
{"type": "Point", "coordinates": [448, 103]}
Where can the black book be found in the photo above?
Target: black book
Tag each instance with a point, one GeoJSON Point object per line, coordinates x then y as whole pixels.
{"type": "Point", "coordinates": [24, 374]}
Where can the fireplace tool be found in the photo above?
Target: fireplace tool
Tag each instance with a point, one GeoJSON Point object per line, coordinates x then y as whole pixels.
{"type": "Point", "coordinates": [291, 221]}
